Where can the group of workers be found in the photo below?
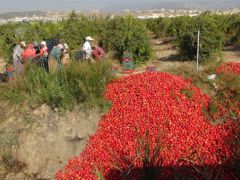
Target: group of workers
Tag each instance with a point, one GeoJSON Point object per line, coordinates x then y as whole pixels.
{"type": "Point", "coordinates": [53, 60]}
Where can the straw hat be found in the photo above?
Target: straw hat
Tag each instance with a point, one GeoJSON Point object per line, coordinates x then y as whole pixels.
{"type": "Point", "coordinates": [89, 38]}
{"type": "Point", "coordinates": [22, 43]}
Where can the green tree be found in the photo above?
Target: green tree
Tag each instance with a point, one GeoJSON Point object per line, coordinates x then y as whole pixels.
{"type": "Point", "coordinates": [127, 33]}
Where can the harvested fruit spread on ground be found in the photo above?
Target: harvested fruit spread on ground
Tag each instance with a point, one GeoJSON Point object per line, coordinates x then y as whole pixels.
{"type": "Point", "coordinates": [156, 124]}
{"type": "Point", "coordinates": [229, 68]}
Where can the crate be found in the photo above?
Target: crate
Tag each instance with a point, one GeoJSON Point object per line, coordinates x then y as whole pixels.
{"type": "Point", "coordinates": [128, 64]}
{"type": "Point", "coordinates": [10, 73]}
{"type": "Point", "coordinates": [114, 70]}
{"type": "Point", "coordinates": [151, 69]}
{"type": "Point", "coordinates": [127, 61]}
{"type": "Point", "coordinates": [128, 55]}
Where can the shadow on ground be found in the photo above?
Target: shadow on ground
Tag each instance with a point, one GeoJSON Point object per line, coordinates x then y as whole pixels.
{"type": "Point", "coordinates": [171, 58]}
{"type": "Point", "coordinates": [224, 172]}
{"type": "Point", "coordinates": [232, 48]}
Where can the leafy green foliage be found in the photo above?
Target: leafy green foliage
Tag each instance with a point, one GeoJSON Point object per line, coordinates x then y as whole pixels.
{"type": "Point", "coordinates": [211, 37]}
{"type": "Point", "coordinates": [159, 26]}
{"type": "Point", "coordinates": [117, 34]}
{"type": "Point", "coordinates": [8, 38]}
{"type": "Point", "coordinates": [233, 28]}
{"type": "Point", "coordinates": [180, 25]}
{"type": "Point", "coordinates": [215, 31]}
{"type": "Point", "coordinates": [126, 33]}
{"type": "Point", "coordinates": [77, 84]}
{"type": "Point", "coordinates": [76, 28]}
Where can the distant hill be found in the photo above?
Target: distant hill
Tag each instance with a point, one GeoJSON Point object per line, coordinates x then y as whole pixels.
{"type": "Point", "coordinates": [173, 4]}
{"type": "Point", "coordinates": [10, 15]}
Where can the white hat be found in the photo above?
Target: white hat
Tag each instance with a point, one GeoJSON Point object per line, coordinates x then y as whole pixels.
{"type": "Point", "coordinates": [60, 46]}
{"type": "Point", "coordinates": [89, 38]}
{"type": "Point", "coordinates": [22, 43]}
{"type": "Point", "coordinates": [43, 43]}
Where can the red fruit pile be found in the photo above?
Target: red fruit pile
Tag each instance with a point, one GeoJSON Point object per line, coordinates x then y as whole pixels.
{"type": "Point", "coordinates": [156, 103]}
{"type": "Point", "coordinates": [229, 96]}
{"type": "Point", "coordinates": [229, 68]}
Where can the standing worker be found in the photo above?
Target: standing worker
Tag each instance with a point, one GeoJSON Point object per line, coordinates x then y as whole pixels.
{"type": "Point", "coordinates": [17, 58]}
{"type": "Point", "coordinates": [43, 55]}
{"type": "Point", "coordinates": [65, 59]}
{"type": "Point", "coordinates": [54, 61]}
{"type": "Point", "coordinates": [29, 53]}
{"type": "Point", "coordinates": [87, 47]}
{"type": "Point", "coordinates": [98, 52]}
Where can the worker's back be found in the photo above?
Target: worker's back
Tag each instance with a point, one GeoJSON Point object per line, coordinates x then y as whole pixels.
{"type": "Point", "coordinates": [29, 53]}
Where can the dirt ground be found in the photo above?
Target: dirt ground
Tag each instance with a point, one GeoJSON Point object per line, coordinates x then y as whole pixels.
{"type": "Point", "coordinates": [36, 143]}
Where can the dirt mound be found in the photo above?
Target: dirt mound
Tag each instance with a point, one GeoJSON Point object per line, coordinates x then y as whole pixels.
{"type": "Point", "coordinates": [45, 139]}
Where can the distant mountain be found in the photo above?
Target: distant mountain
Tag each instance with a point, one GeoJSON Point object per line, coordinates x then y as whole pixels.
{"type": "Point", "coordinates": [10, 15]}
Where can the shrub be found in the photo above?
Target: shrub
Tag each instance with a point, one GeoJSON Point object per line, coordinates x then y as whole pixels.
{"type": "Point", "coordinates": [76, 84]}
{"type": "Point", "coordinates": [213, 29]}
{"type": "Point", "coordinates": [233, 29]}
{"type": "Point", "coordinates": [159, 26]}
{"type": "Point", "coordinates": [211, 38]}
{"type": "Point", "coordinates": [119, 34]}
{"type": "Point", "coordinates": [8, 38]}
{"type": "Point", "coordinates": [180, 25]}
{"type": "Point", "coordinates": [127, 33]}
{"type": "Point", "coordinates": [76, 28]}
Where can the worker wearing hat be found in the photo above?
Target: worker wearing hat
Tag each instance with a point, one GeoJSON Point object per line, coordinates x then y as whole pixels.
{"type": "Point", "coordinates": [54, 61]}
{"type": "Point", "coordinates": [43, 55]}
{"type": "Point", "coordinates": [17, 58]}
{"type": "Point", "coordinates": [44, 49]}
{"type": "Point", "coordinates": [65, 58]}
{"type": "Point", "coordinates": [87, 46]}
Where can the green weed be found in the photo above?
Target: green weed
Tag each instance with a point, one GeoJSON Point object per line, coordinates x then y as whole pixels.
{"type": "Point", "coordinates": [79, 83]}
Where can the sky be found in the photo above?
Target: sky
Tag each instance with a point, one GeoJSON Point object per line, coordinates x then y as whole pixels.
{"type": "Point", "coordinates": [111, 5]}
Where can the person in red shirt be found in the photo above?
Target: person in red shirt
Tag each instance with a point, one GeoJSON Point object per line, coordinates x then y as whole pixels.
{"type": "Point", "coordinates": [42, 56]}
{"type": "Point", "coordinates": [29, 53]}
{"type": "Point", "coordinates": [43, 49]}
{"type": "Point", "coordinates": [98, 53]}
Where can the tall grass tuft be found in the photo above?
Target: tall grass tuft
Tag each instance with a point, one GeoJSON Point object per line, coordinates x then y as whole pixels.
{"type": "Point", "coordinates": [78, 83]}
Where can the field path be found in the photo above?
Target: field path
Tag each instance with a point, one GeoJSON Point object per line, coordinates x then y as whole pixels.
{"type": "Point", "coordinates": [232, 53]}
{"type": "Point", "coordinates": [166, 53]}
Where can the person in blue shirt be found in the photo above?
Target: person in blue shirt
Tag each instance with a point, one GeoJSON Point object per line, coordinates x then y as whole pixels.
{"type": "Point", "coordinates": [54, 61]}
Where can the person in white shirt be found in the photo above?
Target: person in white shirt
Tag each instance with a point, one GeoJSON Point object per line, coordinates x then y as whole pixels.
{"type": "Point", "coordinates": [87, 46]}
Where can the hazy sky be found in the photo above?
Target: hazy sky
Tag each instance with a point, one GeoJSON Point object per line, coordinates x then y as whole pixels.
{"type": "Point", "coordinates": [23, 5]}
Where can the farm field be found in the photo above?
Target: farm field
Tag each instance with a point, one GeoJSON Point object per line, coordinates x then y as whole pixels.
{"type": "Point", "coordinates": [90, 122]}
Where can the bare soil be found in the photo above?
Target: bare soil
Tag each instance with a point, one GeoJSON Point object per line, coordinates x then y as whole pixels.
{"type": "Point", "coordinates": [36, 143]}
